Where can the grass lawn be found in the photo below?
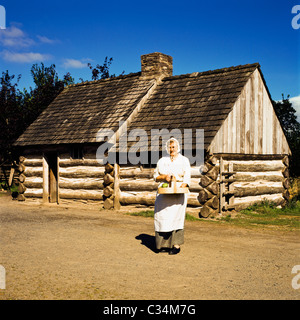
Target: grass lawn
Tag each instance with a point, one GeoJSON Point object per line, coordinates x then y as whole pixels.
{"type": "Point", "coordinates": [263, 214]}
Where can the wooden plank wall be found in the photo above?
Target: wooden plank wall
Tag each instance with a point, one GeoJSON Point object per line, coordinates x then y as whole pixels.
{"type": "Point", "coordinates": [252, 126]}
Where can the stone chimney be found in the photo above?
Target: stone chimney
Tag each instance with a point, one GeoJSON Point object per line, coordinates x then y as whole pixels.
{"type": "Point", "coordinates": [155, 65]}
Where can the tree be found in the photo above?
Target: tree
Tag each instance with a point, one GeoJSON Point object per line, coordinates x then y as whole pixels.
{"type": "Point", "coordinates": [47, 88]}
{"type": "Point", "coordinates": [9, 113]}
{"type": "Point", "coordinates": [19, 109]}
{"type": "Point", "coordinates": [291, 127]}
{"type": "Point", "coordinates": [102, 71]}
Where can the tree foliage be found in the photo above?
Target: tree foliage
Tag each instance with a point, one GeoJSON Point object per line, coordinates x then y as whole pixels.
{"type": "Point", "coordinates": [9, 112]}
{"type": "Point", "coordinates": [18, 109]}
{"type": "Point", "coordinates": [102, 71]}
{"type": "Point", "coordinates": [291, 127]}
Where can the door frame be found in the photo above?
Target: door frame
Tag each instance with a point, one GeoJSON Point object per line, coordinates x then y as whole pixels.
{"type": "Point", "coordinates": [50, 177]}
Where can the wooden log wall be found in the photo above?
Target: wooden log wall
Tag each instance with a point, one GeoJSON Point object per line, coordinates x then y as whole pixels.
{"type": "Point", "coordinates": [137, 186]}
{"type": "Point", "coordinates": [80, 179]}
{"type": "Point", "coordinates": [259, 180]}
{"type": "Point", "coordinates": [32, 177]}
{"type": "Point", "coordinates": [21, 178]}
{"type": "Point", "coordinates": [108, 186]}
{"type": "Point", "coordinates": [208, 195]}
{"type": "Point", "coordinates": [86, 179]}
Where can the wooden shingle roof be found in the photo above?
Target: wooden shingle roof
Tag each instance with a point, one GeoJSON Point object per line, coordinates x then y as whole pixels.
{"type": "Point", "coordinates": [76, 115]}
{"type": "Point", "coordinates": [198, 100]}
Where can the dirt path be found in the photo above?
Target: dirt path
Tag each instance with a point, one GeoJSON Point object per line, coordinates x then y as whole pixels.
{"type": "Point", "coordinates": [81, 252]}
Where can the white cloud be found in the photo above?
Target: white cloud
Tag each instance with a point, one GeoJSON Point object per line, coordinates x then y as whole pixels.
{"type": "Point", "coordinates": [46, 40]}
{"type": "Point", "coordinates": [15, 37]}
{"type": "Point", "coordinates": [25, 57]}
{"type": "Point", "coordinates": [73, 63]}
{"type": "Point", "coordinates": [295, 101]}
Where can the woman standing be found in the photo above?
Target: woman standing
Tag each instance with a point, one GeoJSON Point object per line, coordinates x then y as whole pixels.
{"type": "Point", "coordinates": [169, 210]}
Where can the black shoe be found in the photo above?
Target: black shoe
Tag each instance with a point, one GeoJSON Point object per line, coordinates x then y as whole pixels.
{"type": "Point", "coordinates": [174, 250]}
{"type": "Point", "coordinates": [164, 250]}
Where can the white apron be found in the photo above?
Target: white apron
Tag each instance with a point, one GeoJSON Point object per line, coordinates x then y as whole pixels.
{"type": "Point", "coordinates": [169, 210]}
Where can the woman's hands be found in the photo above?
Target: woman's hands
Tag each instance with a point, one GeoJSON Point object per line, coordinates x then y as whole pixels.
{"type": "Point", "coordinates": [183, 185]}
{"type": "Point", "coordinates": [166, 177]}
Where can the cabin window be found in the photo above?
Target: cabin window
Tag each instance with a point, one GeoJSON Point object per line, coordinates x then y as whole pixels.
{"type": "Point", "coordinates": [77, 152]}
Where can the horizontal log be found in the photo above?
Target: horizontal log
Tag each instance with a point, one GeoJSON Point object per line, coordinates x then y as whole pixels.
{"type": "Point", "coordinates": [79, 162]}
{"type": "Point", "coordinates": [255, 166]}
{"type": "Point", "coordinates": [33, 172]}
{"type": "Point", "coordinates": [33, 163]}
{"type": "Point", "coordinates": [242, 203]}
{"type": "Point", "coordinates": [80, 194]}
{"type": "Point", "coordinates": [249, 157]}
{"type": "Point", "coordinates": [254, 199]}
{"type": "Point", "coordinates": [138, 185]}
{"type": "Point", "coordinates": [258, 190]}
{"type": "Point", "coordinates": [136, 173]}
{"type": "Point", "coordinates": [229, 193]}
{"type": "Point", "coordinates": [33, 193]}
{"type": "Point", "coordinates": [151, 185]}
{"type": "Point", "coordinates": [33, 184]}
{"type": "Point", "coordinates": [275, 176]}
{"type": "Point", "coordinates": [81, 172]}
{"type": "Point", "coordinates": [81, 183]}
{"type": "Point", "coordinates": [146, 198]}
{"type": "Point", "coordinates": [131, 172]}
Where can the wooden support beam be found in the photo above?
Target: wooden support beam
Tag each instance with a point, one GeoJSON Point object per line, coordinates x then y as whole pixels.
{"type": "Point", "coordinates": [116, 190]}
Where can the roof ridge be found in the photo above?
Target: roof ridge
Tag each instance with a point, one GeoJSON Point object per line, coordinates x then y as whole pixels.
{"type": "Point", "coordinates": [88, 82]}
{"type": "Point", "coordinates": [208, 72]}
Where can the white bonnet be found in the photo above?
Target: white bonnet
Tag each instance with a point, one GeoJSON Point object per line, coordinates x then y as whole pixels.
{"type": "Point", "coordinates": [168, 143]}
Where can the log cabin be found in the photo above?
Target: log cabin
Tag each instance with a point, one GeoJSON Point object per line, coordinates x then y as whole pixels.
{"type": "Point", "coordinates": [245, 151]}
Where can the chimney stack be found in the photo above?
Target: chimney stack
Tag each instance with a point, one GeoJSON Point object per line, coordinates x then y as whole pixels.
{"type": "Point", "coordinates": [155, 65]}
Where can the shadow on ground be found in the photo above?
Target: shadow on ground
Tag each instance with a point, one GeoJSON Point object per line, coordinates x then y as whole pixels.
{"type": "Point", "coordinates": [148, 241]}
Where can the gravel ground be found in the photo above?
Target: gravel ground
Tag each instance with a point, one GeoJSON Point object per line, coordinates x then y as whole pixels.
{"type": "Point", "coordinates": [78, 251]}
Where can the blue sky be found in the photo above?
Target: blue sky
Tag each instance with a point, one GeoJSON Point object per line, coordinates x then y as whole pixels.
{"type": "Point", "coordinates": [199, 35]}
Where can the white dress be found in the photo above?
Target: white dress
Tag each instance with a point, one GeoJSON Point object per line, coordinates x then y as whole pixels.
{"type": "Point", "coordinates": [169, 209]}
